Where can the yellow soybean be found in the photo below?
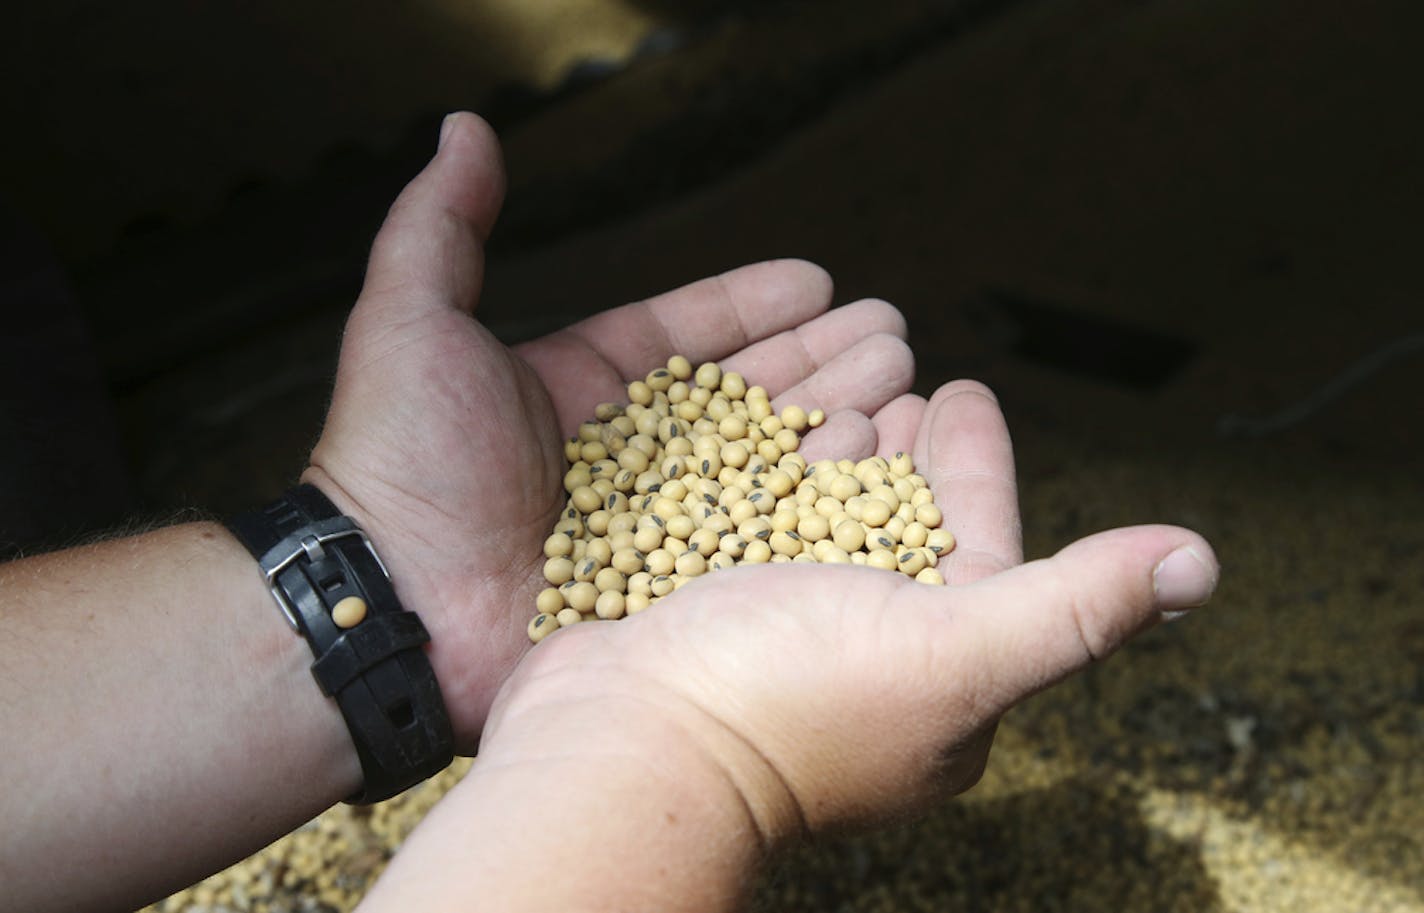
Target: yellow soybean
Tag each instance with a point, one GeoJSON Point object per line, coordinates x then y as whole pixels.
{"type": "Point", "coordinates": [814, 528]}
{"type": "Point", "coordinates": [875, 512]}
{"type": "Point", "coordinates": [883, 559]}
{"type": "Point", "coordinates": [931, 576]}
{"type": "Point", "coordinates": [708, 375]}
{"type": "Point", "coordinates": [757, 552]}
{"type": "Point", "coordinates": [581, 596]}
{"type": "Point", "coordinates": [697, 473]}
{"type": "Point", "coordinates": [558, 545]}
{"type": "Point", "coordinates": [849, 535]}
{"type": "Point", "coordinates": [349, 612]}
{"type": "Point", "coordinates": [844, 487]}
{"type": "Point", "coordinates": [915, 534]}
{"type": "Point", "coordinates": [691, 563]}
{"type": "Point", "coordinates": [940, 541]}
{"type": "Point", "coordinates": [627, 560]}
{"type": "Point", "coordinates": [549, 601]}
{"type": "Point", "coordinates": [558, 570]}
{"type": "Point", "coordinates": [786, 542]}
{"type": "Point", "coordinates": [912, 562]}
{"type": "Point", "coordinates": [610, 605]}
{"type": "Point", "coordinates": [541, 626]}
{"type": "Point", "coordinates": [660, 561]}
{"type": "Point", "coordinates": [610, 580]}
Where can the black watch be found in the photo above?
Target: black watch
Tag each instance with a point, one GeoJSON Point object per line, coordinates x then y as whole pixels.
{"type": "Point", "coordinates": [335, 592]}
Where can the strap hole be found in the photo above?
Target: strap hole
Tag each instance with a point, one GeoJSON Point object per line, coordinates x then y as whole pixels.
{"type": "Point", "coordinates": [401, 714]}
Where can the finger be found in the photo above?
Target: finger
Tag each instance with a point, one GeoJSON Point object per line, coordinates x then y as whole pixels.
{"type": "Point", "coordinates": [845, 435]}
{"type": "Point", "coordinates": [591, 361]}
{"type": "Point", "coordinates": [429, 252]}
{"type": "Point", "coordinates": [863, 377]}
{"type": "Point", "coordinates": [1036, 624]}
{"type": "Point", "coordinates": [963, 450]}
{"type": "Point", "coordinates": [789, 357]}
{"type": "Point", "coordinates": [897, 425]}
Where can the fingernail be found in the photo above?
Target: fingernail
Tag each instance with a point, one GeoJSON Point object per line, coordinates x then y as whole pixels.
{"type": "Point", "coordinates": [445, 127]}
{"type": "Point", "coordinates": [1182, 581]}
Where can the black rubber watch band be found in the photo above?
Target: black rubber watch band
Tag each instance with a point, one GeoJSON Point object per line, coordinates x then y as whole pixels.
{"type": "Point", "coordinates": [376, 669]}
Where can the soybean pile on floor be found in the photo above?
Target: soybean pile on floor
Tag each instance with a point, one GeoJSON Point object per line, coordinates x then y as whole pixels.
{"type": "Point", "coordinates": [698, 473]}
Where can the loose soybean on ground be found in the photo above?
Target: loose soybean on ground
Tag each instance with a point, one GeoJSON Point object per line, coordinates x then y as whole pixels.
{"type": "Point", "coordinates": [697, 474]}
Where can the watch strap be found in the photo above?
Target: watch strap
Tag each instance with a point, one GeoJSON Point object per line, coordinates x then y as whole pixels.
{"type": "Point", "coordinates": [312, 559]}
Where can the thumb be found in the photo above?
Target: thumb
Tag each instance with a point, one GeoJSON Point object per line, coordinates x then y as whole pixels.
{"type": "Point", "coordinates": [1038, 623]}
{"type": "Point", "coordinates": [429, 252]}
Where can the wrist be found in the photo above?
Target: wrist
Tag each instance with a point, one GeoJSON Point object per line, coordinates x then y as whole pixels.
{"type": "Point", "coordinates": [441, 572]}
{"type": "Point", "coordinates": [268, 643]}
{"type": "Point", "coordinates": [367, 650]}
{"type": "Point", "coordinates": [640, 812]}
{"type": "Point", "coordinates": [575, 697]}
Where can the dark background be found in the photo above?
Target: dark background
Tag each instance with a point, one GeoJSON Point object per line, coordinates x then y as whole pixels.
{"type": "Point", "coordinates": [1148, 224]}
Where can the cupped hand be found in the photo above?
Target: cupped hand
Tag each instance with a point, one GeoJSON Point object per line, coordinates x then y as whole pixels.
{"type": "Point", "coordinates": [447, 446]}
{"type": "Point", "coordinates": [836, 695]}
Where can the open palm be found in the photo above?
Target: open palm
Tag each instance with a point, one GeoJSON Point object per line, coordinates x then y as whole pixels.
{"type": "Point", "coordinates": [448, 446]}
{"type": "Point", "coordinates": [835, 695]}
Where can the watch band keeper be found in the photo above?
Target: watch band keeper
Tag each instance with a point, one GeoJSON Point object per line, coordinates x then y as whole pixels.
{"type": "Point", "coordinates": [363, 648]}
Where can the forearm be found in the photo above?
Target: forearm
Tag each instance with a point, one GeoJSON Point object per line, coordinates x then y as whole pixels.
{"type": "Point", "coordinates": [593, 812]}
{"type": "Point", "coordinates": [152, 691]}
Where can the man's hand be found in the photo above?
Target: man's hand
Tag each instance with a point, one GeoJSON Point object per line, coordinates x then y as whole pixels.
{"type": "Point", "coordinates": [761, 703]}
{"type": "Point", "coordinates": [839, 695]}
{"type": "Point", "coordinates": [448, 447]}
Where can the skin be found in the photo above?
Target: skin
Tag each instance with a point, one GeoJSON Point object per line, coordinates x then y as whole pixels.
{"type": "Point", "coordinates": [168, 724]}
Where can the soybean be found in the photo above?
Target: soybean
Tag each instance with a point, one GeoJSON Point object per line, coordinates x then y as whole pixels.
{"type": "Point", "coordinates": [349, 612]}
{"type": "Point", "coordinates": [696, 473]}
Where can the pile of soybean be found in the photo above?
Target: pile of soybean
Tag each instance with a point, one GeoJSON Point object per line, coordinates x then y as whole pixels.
{"type": "Point", "coordinates": [697, 473]}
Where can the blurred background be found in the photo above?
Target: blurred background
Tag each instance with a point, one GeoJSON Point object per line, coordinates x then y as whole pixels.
{"type": "Point", "coordinates": [1180, 239]}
